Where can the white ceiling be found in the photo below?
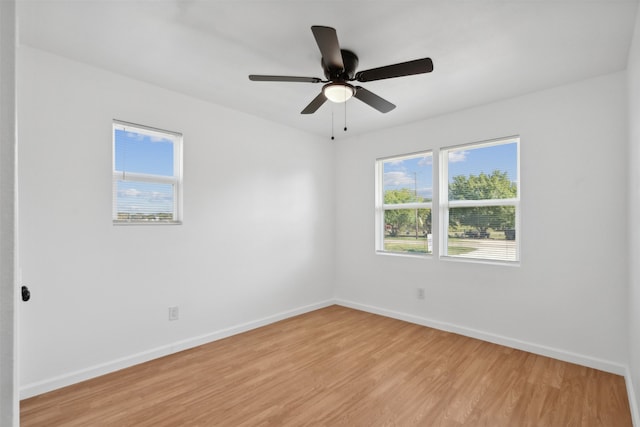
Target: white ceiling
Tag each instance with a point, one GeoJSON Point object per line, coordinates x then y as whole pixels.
{"type": "Point", "coordinates": [483, 50]}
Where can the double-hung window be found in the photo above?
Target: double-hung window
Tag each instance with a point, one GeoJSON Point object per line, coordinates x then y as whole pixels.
{"type": "Point", "coordinates": [480, 200]}
{"type": "Point", "coordinates": [404, 191]}
{"type": "Point", "coordinates": [147, 175]}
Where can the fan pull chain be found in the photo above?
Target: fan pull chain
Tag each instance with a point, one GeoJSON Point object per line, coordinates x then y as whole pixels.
{"type": "Point", "coordinates": [332, 138]}
{"type": "Point", "coordinates": [345, 113]}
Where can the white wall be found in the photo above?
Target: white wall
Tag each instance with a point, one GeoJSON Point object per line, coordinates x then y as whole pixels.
{"type": "Point", "coordinates": [9, 411]}
{"type": "Point", "coordinates": [568, 297]}
{"type": "Point", "coordinates": [633, 73]}
{"type": "Point", "coordinates": [256, 243]}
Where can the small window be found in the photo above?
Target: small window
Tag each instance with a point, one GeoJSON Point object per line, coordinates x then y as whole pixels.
{"type": "Point", "coordinates": [480, 201]}
{"type": "Point", "coordinates": [147, 175]}
{"type": "Point", "coordinates": [404, 192]}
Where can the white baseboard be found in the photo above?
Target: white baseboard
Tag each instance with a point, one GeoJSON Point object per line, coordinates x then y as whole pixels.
{"type": "Point", "coordinates": [34, 389]}
{"type": "Point", "coordinates": [633, 405]}
{"type": "Point", "coordinates": [567, 356]}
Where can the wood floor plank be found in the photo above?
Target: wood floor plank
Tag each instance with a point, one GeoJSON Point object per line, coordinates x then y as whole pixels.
{"type": "Point", "coordinates": [341, 367]}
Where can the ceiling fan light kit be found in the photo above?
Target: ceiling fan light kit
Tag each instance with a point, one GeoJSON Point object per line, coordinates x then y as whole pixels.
{"type": "Point", "coordinates": [339, 66]}
{"type": "Point", "coordinates": [338, 92]}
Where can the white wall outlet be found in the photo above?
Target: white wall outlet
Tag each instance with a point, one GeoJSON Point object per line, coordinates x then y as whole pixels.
{"type": "Point", "coordinates": [420, 293]}
{"type": "Point", "coordinates": [174, 313]}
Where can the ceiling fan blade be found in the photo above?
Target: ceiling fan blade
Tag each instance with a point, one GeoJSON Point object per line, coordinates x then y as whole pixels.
{"type": "Point", "coordinates": [408, 68]}
{"type": "Point", "coordinates": [315, 104]}
{"type": "Point", "coordinates": [261, 78]}
{"type": "Point", "coordinates": [327, 41]}
{"type": "Point", "coordinates": [373, 100]}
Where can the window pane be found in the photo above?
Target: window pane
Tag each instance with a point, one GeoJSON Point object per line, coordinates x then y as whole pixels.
{"type": "Point", "coordinates": [141, 153]}
{"type": "Point", "coordinates": [483, 173]}
{"type": "Point", "coordinates": [408, 179]}
{"type": "Point", "coordinates": [144, 201]}
{"type": "Point", "coordinates": [486, 232]}
{"type": "Point", "coordinates": [407, 230]}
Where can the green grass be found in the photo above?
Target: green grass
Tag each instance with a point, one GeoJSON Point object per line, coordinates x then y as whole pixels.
{"type": "Point", "coordinates": [457, 247]}
{"type": "Point", "coordinates": [406, 244]}
{"type": "Point", "coordinates": [407, 238]}
{"type": "Point", "coordinates": [459, 250]}
{"type": "Point", "coordinates": [397, 247]}
{"type": "Point", "coordinates": [419, 246]}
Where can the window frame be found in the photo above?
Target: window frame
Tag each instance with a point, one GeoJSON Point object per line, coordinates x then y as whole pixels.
{"type": "Point", "coordinates": [381, 207]}
{"type": "Point", "coordinates": [176, 180]}
{"type": "Point", "coordinates": [445, 204]}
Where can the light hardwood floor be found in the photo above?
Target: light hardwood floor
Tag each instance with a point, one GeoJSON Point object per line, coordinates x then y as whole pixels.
{"type": "Point", "coordinates": [341, 367]}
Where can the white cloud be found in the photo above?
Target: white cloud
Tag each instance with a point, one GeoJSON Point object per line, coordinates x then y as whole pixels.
{"type": "Point", "coordinates": [159, 139]}
{"type": "Point", "coordinates": [425, 161]}
{"type": "Point", "coordinates": [134, 135]}
{"type": "Point", "coordinates": [158, 196]}
{"type": "Point", "coordinates": [130, 192]}
{"type": "Point", "coordinates": [397, 178]}
{"type": "Point", "coordinates": [137, 136]}
{"type": "Point", "coordinates": [457, 156]}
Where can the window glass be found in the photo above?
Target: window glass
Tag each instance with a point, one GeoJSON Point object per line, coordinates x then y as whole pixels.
{"type": "Point", "coordinates": [146, 174]}
{"type": "Point", "coordinates": [408, 231]}
{"type": "Point", "coordinates": [484, 173]}
{"type": "Point", "coordinates": [480, 201]}
{"type": "Point", "coordinates": [482, 232]}
{"type": "Point", "coordinates": [405, 193]}
{"type": "Point", "coordinates": [142, 153]}
{"type": "Point", "coordinates": [408, 179]}
{"type": "Point", "coordinates": [144, 201]}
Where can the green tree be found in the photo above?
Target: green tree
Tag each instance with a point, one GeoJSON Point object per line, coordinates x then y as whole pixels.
{"type": "Point", "coordinates": [398, 219]}
{"type": "Point", "coordinates": [424, 220]}
{"type": "Point", "coordinates": [497, 185]}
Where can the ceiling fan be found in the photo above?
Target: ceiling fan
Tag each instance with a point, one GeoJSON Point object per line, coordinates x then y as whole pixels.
{"type": "Point", "coordinates": [339, 67]}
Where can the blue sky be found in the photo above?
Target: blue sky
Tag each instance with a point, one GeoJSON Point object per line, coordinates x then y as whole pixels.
{"type": "Point", "coordinates": [503, 158]}
{"type": "Point", "coordinates": [140, 153]}
{"type": "Point", "coordinates": [414, 173]}
{"type": "Point", "coordinates": [137, 152]}
{"type": "Point", "coordinates": [418, 171]}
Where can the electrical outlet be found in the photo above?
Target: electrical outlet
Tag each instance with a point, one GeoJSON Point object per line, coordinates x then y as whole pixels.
{"type": "Point", "coordinates": [173, 313]}
{"type": "Point", "coordinates": [420, 293]}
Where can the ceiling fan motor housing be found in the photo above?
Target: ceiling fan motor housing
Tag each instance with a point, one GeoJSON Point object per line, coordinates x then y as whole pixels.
{"type": "Point", "coordinates": [350, 61]}
{"type": "Point", "coordinates": [339, 67]}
